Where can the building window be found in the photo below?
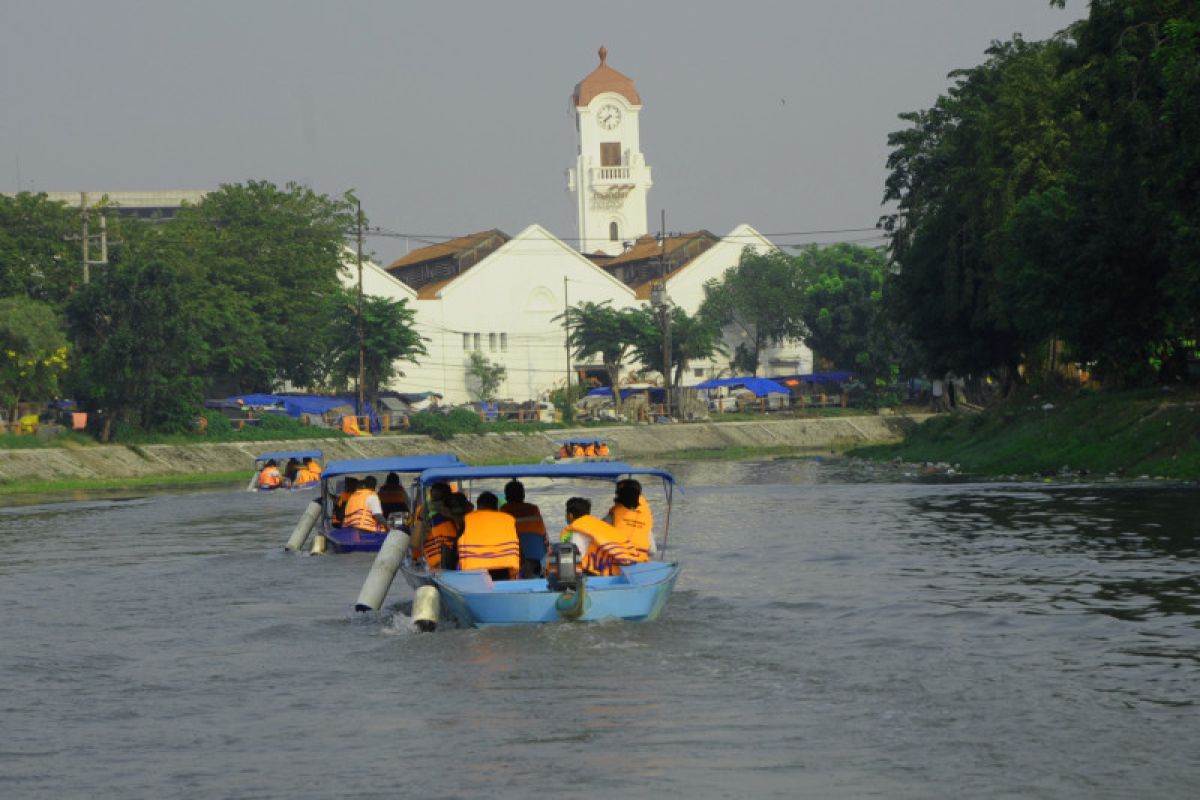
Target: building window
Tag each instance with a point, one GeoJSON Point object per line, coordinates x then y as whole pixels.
{"type": "Point", "coordinates": [612, 232]}
{"type": "Point", "coordinates": [610, 154]}
{"type": "Point", "coordinates": [504, 342]}
{"type": "Point", "coordinates": [466, 342]}
{"type": "Point", "coordinates": [476, 340]}
{"type": "Point", "coordinates": [698, 372]}
{"type": "Point", "coordinates": [492, 342]}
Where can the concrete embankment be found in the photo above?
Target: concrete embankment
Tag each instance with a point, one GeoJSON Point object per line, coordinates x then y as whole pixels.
{"type": "Point", "coordinates": [632, 443]}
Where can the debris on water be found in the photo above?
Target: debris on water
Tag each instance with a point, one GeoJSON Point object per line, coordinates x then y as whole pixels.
{"type": "Point", "coordinates": [1048, 407]}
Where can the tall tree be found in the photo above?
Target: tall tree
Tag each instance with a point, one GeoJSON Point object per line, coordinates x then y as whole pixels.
{"type": "Point", "coordinates": [389, 338]}
{"type": "Point", "coordinates": [487, 376]}
{"type": "Point", "coordinates": [33, 352]}
{"type": "Point", "coordinates": [758, 297]}
{"type": "Point", "coordinates": [598, 328]}
{"type": "Point", "coordinates": [38, 258]}
{"type": "Point", "coordinates": [693, 338]}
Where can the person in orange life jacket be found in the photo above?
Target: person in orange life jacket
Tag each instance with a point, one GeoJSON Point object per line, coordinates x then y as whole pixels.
{"type": "Point", "coordinates": [270, 478]}
{"type": "Point", "coordinates": [605, 549]}
{"type": "Point", "coordinates": [363, 509]}
{"type": "Point", "coordinates": [313, 465]}
{"type": "Point", "coordinates": [440, 547]}
{"type": "Point", "coordinates": [392, 495]}
{"type": "Point", "coordinates": [577, 450]}
{"type": "Point", "coordinates": [489, 540]}
{"type": "Point", "coordinates": [349, 487]}
{"type": "Point", "coordinates": [602, 450]}
{"type": "Point", "coordinates": [531, 529]}
{"type": "Point", "coordinates": [563, 452]}
{"type": "Point", "coordinates": [305, 475]}
{"type": "Point", "coordinates": [427, 515]}
{"type": "Point", "coordinates": [590, 450]}
{"type": "Point", "coordinates": [631, 515]}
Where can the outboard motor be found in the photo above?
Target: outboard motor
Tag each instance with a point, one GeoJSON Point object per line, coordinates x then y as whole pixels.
{"type": "Point", "coordinates": [562, 566]}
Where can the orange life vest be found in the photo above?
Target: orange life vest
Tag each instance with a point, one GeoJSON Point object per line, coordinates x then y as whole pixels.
{"type": "Point", "coordinates": [315, 467]}
{"type": "Point", "coordinates": [577, 450]}
{"type": "Point", "coordinates": [444, 533]}
{"type": "Point", "coordinates": [563, 452]}
{"type": "Point", "coordinates": [590, 451]}
{"type": "Point", "coordinates": [358, 515]}
{"type": "Point", "coordinates": [489, 541]}
{"type": "Point", "coordinates": [602, 450]}
{"type": "Point", "coordinates": [350, 426]}
{"type": "Point", "coordinates": [635, 524]}
{"type": "Point", "coordinates": [607, 550]}
{"type": "Point", "coordinates": [305, 475]}
{"type": "Point", "coordinates": [269, 478]}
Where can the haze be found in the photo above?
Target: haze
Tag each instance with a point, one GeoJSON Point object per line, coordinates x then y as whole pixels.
{"type": "Point", "coordinates": [448, 118]}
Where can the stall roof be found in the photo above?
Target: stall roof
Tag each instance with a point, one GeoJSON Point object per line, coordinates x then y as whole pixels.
{"type": "Point", "coordinates": [361, 466]}
{"type": "Point", "coordinates": [760, 386]}
{"type": "Point", "coordinates": [601, 470]}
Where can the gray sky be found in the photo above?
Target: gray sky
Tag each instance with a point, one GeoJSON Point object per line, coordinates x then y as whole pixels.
{"type": "Point", "coordinates": [452, 117]}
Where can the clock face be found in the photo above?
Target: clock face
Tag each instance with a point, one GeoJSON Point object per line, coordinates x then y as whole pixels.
{"type": "Point", "coordinates": [609, 117]}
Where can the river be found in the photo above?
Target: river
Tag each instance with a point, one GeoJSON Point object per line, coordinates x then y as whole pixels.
{"type": "Point", "coordinates": [839, 630]}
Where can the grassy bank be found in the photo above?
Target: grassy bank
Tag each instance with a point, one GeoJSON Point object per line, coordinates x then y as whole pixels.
{"type": "Point", "coordinates": [1148, 432]}
{"type": "Point", "coordinates": [41, 487]}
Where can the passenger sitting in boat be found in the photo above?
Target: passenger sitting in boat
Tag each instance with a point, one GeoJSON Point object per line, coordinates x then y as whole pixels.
{"type": "Point", "coordinates": [392, 495]}
{"type": "Point", "coordinates": [605, 549]}
{"type": "Point", "coordinates": [305, 475]}
{"type": "Point", "coordinates": [631, 516]}
{"type": "Point", "coordinates": [441, 544]}
{"type": "Point", "coordinates": [363, 510]}
{"type": "Point", "coordinates": [602, 450]}
{"type": "Point", "coordinates": [270, 478]}
{"type": "Point", "coordinates": [314, 466]}
{"type": "Point", "coordinates": [577, 450]}
{"type": "Point", "coordinates": [531, 529]}
{"type": "Point", "coordinates": [563, 452]}
{"type": "Point", "coordinates": [349, 487]}
{"type": "Point", "coordinates": [291, 471]}
{"type": "Point", "coordinates": [489, 540]}
{"type": "Point", "coordinates": [427, 517]}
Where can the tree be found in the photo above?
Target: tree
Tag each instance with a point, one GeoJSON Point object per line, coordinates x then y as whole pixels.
{"type": "Point", "coordinates": [693, 338]}
{"type": "Point", "coordinates": [598, 328]}
{"type": "Point", "coordinates": [389, 337]}
{"type": "Point", "coordinates": [488, 376]}
{"type": "Point", "coordinates": [33, 352]}
{"type": "Point", "coordinates": [37, 258]}
{"type": "Point", "coordinates": [266, 262]}
{"type": "Point", "coordinates": [139, 345]}
{"type": "Point", "coordinates": [843, 310]}
{"type": "Point", "coordinates": [759, 297]}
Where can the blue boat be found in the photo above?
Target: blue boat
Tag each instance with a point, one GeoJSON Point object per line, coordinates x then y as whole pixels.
{"type": "Point", "coordinates": [474, 599]}
{"type": "Point", "coordinates": [582, 442]}
{"type": "Point", "coordinates": [281, 458]}
{"type": "Point", "coordinates": [354, 540]}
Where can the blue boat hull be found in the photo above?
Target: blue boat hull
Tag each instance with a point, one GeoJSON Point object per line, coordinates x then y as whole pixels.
{"type": "Point", "coordinates": [474, 599]}
{"type": "Point", "coordinates": [353, 540]}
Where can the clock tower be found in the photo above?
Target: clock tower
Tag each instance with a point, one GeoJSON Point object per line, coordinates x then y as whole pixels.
{"type": "Point", "coordinates": [610, 178]}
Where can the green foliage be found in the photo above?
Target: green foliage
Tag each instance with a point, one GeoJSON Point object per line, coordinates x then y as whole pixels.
{"type": "Point", "coordinates": [598, 328]}
{"type": "Point", "coordinates": [488, 376]}
{"type": "Point", "coordinates": [693, 338]}
{"type": "Point", "coordinates": [443, 426]}
{"type": "Point", "coordinates": [138, 343]}
{"type": "Point", "coordinates": [33, 352]}
{"type": "Point", "coordinates": [389, 336]}
{"type": "Point", "coordinates": [760, 296]}
{"type": "Point", "coordinates": [37, 258]}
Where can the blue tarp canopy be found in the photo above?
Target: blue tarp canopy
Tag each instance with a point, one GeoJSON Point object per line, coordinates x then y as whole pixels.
{"type": "Point", "coordinates": [600, 470]}
{"type": "Point", "coordinates": [299, 455]}
{"type": "Point", "coordinates": [760, 386]}
{"type": "Point", "coordinates": [582, 440]}
{"type": "Point", "coordinates": [657, 395]}
{"type": "Point", "coordinates": [818, 377]}
{"type": "Point", "coordinates": [296, 404]}
{"type": "Point", "coordinates": [363, 466]}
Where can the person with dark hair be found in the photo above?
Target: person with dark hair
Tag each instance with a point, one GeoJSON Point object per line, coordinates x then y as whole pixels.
{"type": "Point", "coordinates": [363, 509]}
{"type": "Point", "coordinates": [270, 478]}
{"type": "Point", "coordinates": [631, 515]}
{"type": "Point", "coordinates": [440, 547]}
{"type": "Point", "coordinates": [290, 471]}
{"type": "Point", "coordinates": [392, 496]}
{"type": "Point", "coordinates": [426, 516]}
{"type": "Point", "coordinates": [490, 540]}
{"type": "Point", "coordinates": [605, 549]}
{"type": "Point", "coordinates": [531, 528]}
{"type": "Point", "coordinates": [349, 487]}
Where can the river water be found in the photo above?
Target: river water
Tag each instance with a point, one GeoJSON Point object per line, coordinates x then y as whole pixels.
{"type": "Point", "coordinates": [838, 631]}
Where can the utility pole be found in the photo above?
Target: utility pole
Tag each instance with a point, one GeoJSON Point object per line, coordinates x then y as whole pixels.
{"type": "Point", "coordinates": [361, 334]}
{"type": "Point", "coordinates": [665, 310]}
{"type": "Point", "coordinates": [83, 213]}
{"type": "Point", "coordinates": [567, 409]}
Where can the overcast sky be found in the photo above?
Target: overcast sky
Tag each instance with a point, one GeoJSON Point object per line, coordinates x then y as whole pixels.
{"type": "Point", "coordinates": [449, 118]}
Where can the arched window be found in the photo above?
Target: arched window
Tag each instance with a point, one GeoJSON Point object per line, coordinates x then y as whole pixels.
{"type": "Point", "coordinates": [612, 232]}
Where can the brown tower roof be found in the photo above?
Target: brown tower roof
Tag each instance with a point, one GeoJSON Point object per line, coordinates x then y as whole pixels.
{"type": "Point", "coordinates": [605, 79]}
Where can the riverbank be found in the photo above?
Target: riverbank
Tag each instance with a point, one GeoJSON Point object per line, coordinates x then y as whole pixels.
{"type": "Point", "coordinates": [1153, 433]}
{"type": "Point", "coordinates": [118, 466]}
